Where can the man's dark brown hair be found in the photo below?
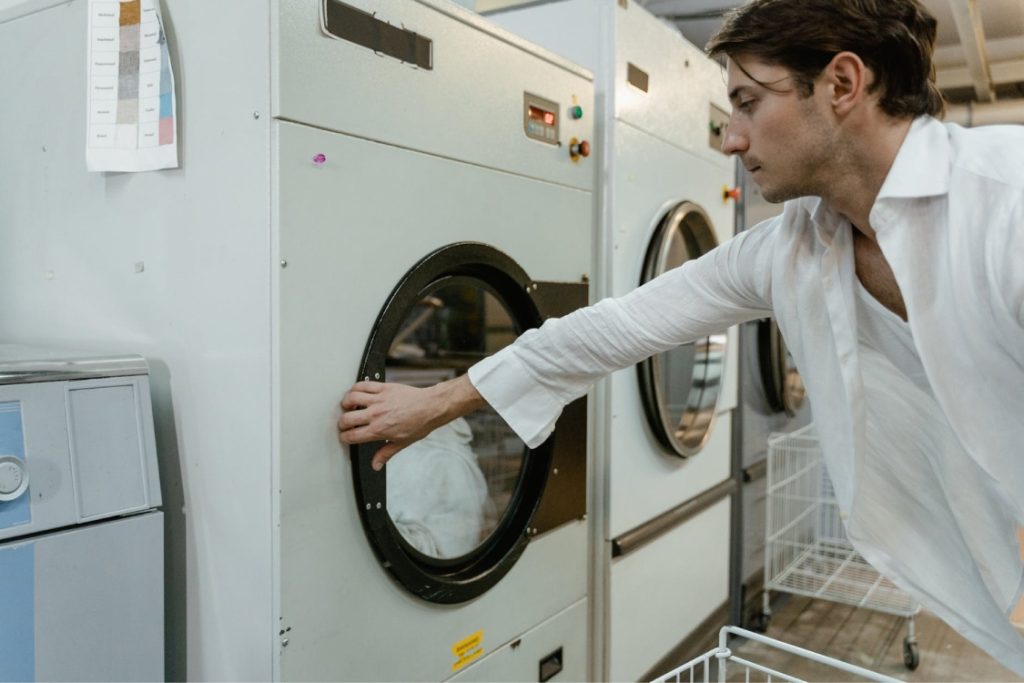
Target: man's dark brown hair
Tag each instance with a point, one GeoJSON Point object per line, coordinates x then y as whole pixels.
{"type": "Point", "coordinates": [894, 38]}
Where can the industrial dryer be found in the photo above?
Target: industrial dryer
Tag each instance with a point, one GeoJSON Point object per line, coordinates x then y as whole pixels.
{"type": "Point", "coordinates": [772, 399]}
{"type": "Point", "coordinates": [385, 188]}
{"type": "Point", "coordinates": [663, 432]}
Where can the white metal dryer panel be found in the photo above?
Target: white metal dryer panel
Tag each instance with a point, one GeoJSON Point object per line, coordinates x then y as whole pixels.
{"type": "Point", "coordinates": [682, 82]}
{"type": "Point", "coordinates": [606, 37]}
{"type": "Point", "coordinates": [518, 660]}
{"type": "Point", "coordinates": [350, 229]}
{"type": "Point", "coordinates": [651, 178]}
{"type": "Point", "coordinates": [646, 481]}
{"type": "Point", "coordinates": [173, 265]}
{"type": "Point", "coordinates": [463, 108]}
{"type": "Point", "coordinates": [690, 568]}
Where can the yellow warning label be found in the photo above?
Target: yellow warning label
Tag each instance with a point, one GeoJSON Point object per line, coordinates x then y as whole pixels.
{"type": "Point", "coordinates": [467, 650]}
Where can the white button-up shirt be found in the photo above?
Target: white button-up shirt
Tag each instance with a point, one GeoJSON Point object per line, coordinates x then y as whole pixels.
{"type": "Point", "coordinates": [932, 483]}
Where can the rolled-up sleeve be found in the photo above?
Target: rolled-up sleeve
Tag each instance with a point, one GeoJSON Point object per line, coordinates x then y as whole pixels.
{"type": "Point", "coordinates": [530, 381]}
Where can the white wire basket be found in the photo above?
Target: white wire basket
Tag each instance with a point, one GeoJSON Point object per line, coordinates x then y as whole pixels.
{"type": "Point", "coordinates": [807, 551]}
{"type": "Point", "coordinates": [722, 664]}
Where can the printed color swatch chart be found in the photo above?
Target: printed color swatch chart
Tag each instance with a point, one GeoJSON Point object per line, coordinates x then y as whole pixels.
{"type": "Point", "coordinates": [131, 108]}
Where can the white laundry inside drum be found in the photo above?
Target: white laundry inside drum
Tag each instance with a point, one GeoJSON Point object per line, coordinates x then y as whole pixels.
{"type": "Point", "coordinates": [448, 492]}
{"type": "Point", "coordinates": [437, 495]}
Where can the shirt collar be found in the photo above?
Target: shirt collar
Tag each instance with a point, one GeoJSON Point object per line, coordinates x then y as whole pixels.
{"type": "Point", "coordinates": [921, 167]}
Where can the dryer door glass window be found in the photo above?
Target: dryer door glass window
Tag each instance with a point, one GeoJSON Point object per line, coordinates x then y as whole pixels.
{"type": "Point", "coordinates": [680, 387]}
{"type": "Point", "coordinates": [783, 386]}
{"type": "Point", "coordinates": [447, 493]}
{"type": "Point", "coordinates": [449, 516]}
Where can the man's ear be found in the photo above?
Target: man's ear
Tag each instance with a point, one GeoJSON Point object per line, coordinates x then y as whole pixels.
{"type": "Point", "coordinates": [847, 78]}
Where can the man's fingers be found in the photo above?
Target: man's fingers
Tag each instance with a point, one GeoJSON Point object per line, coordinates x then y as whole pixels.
{"type": "Point", "coordinates": [357, 435]}
{"type": "Point", "coordinates": [367, 387]}
{"type": "Point", "coordinates": [353, 418]}
{"type": "Point", "coordinates": [354, 400]}
{"type": "Point", "coordinates": [385, 453]}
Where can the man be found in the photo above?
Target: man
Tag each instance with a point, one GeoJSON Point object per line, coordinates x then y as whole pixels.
{"type": "Point", "coordinates": [896, 274]}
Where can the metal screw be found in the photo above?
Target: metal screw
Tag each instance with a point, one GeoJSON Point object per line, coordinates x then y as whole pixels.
{"type": "Point", "coordinates": [535, 286]}
{"type": "Point", "coordinates": [284, 263]}
{"type": "Point", "coordinates": [140, 267]}
{"type": "Point", "coordinates": [376, 375]}
{"type": "Point", "coordinates": [284, 642]}
{"type": "Point", "coordinates": [368, 506]}
{"type": "Point", "coordinates": [378, 506]}
{"type": "Point", "coordinates": [256, 115]}
{"type": "Point", "coordinates": [555, 471]}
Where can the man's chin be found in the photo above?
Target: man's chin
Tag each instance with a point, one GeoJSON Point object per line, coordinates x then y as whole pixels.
{"type": "Point", "coordinates": [774, 195]}
{"type": "Point", "coordinates": [777, 195]}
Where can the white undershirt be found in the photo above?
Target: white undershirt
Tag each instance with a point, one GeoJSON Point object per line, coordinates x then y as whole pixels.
{"type": "Point", "coordinates": [890, 335]}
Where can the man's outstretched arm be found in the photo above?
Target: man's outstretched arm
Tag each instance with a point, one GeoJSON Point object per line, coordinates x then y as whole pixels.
{"type": "Point", "coordinates": [399, 414]}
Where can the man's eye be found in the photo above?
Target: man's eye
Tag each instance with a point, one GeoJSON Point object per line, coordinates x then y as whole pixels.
{"type": "Point", "coordinates": [747, 105]}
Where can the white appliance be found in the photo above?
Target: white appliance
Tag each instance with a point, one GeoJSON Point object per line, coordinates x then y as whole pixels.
{"type": "Point", "coordinates": [81, 535]}
{"type": "Point", "coordinates": [376, 177]}
{"type": "Point", "coordinates": [772, 400]}
{"type": "Point", "coordinates": [664, 439]}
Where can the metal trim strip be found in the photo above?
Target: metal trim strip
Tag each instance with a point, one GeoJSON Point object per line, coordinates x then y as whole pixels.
{"type": "Point", "coordinates": [640, 536]}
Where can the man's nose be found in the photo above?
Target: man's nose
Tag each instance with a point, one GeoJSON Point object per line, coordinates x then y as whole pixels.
{"type": "Point", "coordinates": [734, 141]}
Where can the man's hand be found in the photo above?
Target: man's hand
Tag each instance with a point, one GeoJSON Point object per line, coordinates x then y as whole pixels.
{"type": "Point", "coordinates": [399, 414]}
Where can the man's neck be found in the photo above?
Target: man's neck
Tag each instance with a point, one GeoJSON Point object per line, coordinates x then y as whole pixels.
{"type": "Point", "coordinates": [861, 172]}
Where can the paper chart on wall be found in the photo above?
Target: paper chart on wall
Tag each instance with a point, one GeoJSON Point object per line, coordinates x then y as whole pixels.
{"type": "Point", "coordinates": [131, 105]}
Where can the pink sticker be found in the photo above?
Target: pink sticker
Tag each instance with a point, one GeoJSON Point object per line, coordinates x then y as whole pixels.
{"type": "Point", "coordinates": [166, 131]}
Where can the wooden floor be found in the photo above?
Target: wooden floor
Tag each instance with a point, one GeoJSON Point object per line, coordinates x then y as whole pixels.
{"type": "Point", "coordinates": [868, 639]}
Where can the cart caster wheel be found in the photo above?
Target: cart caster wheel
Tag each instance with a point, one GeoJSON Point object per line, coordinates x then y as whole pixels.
{"type": "Point", "coordinates": [911, 657]}
{"type": "Point", "coordinates": [759, 622]}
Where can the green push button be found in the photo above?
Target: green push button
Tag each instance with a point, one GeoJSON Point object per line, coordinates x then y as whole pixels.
{"type": "Point", "coordinates": [576, 112]}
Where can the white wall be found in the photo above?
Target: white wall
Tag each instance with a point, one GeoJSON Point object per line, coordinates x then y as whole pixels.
{"type": "Point", "coordinates": [70, 242]}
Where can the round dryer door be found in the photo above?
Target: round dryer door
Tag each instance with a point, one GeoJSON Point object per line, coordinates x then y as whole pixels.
{"type": "Point", "coordinates": [448, 516]}
{"type": "Point", "coordinates": [783, 386]}
{"type": "Point", "coordinates": [680, 387]}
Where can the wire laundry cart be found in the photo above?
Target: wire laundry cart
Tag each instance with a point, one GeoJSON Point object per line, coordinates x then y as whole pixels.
{"type": "Point", "coordinates": [722, 664]}
{"type": "Point", "coordinates": [807, 551]}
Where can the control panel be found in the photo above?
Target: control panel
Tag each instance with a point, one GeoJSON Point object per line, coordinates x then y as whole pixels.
{"type": "Point", "coordinates": [718, 121]}
{"type": "Point", "coordinates": [540, 118]}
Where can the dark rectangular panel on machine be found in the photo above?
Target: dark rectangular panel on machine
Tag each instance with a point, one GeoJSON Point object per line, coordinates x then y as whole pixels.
{"type": "Point", "coordinates": [565, 497]}
{"type": "Point", "coordinates": [359, 27]}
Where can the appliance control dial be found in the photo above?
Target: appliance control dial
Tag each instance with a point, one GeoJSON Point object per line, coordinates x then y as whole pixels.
{"type": "Point", "coordinates": [13, 477]}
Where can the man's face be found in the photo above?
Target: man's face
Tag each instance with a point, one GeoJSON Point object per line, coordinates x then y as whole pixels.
{"type": "Point", "coordinates": [784, 139]}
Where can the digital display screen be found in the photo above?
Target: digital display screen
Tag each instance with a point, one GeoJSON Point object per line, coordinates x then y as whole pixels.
{"type": "Point", "coordinates": [545, 117]}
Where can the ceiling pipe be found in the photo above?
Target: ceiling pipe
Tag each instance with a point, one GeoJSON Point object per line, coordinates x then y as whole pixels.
{"type": "Point", "coordinates": [986, 113]}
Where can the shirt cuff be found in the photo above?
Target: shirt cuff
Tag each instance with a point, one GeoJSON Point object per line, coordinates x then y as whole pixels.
{"type": "Point", "coordinates": [528, 408]}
